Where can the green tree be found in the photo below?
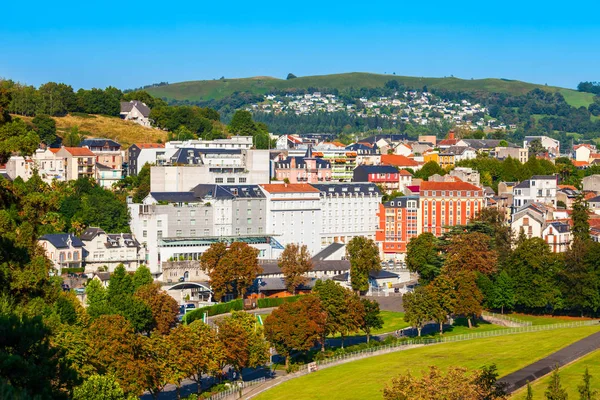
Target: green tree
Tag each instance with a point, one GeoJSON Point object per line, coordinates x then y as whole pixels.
{"type": "Point", "coordinates": [207, 356]}
{"type": "Point", "coordinates": [422, 256]}
{"type": "Point", "coordinates": [430, 168]}
{"type": "Point", "coordinates": [372, 317]}
{"type": "Point", "coordinates": [141, 277]}
{"type": "Point", "coordinates": [417, 310]}
{"type": "Point", "coordinates": [529, 395]}
{"type": "Point", "coordinates": [16, 137]}
{"type": "Point", "coordinates": [242, 124]}
{"type": "Point", "coordinates": [581, 226]}
{"type": "Point", "coordinates": [555, 391]}
{"type": "Point", "coordinates": [73, 137]}
{"type": "Point", "coordinates": [45, 127]}
{"type": "Point", "coordinates": [579, 279]}
{"type": "Point", "coordinates": [120, 283]}
{"type": "Point", "coordinates": [503, 293]}
{"type": "Point", "coordinates": [585, 390]}
{"type": "Point", "coordinates": [363, 254]}
{"type": "Point", "coordinates": [99, 387]}
{"type": "Point", "coordinates": [96, 299]}
{"type": "Point", "coordinates": [291, 76]}
{"type": "Point", "coordinates": [442, 295]}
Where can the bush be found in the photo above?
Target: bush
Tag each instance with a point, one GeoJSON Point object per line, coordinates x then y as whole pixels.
{"type": "Point", "coordinates": [65, 271]}
{"type": "Point", "coordinates": [276, 301]}
{"type": "Point", "coordinates": [217, 309]}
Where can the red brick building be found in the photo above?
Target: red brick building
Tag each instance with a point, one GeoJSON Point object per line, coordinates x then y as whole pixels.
{"type": "Point", "coordinates": [399, 221]}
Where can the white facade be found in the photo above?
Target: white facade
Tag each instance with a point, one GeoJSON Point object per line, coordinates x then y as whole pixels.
{"type": "Point", "coordinates": [540, 189]}
{"type": "Point", "coordinates": [558, 236]}
{"type": "Point", "coordinates": [234, 142]}
{"type": "Point", "coordinates": [106, 250]}
{"type": "Point", "coordinates": [294, 214]}
{"type": "Point", "coordinates": [348, 210]}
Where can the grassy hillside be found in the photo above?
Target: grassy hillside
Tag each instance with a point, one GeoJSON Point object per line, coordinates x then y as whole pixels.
{"type": "Point", "coordinates": [365, 379]}
{"type": "Point", "coordinates": [217, 89]}
{"type": "Point", "coordinates": [125, 132]}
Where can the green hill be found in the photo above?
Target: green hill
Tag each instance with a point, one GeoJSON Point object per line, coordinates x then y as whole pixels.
{"type": "Point", "coordinates": [217, 89]}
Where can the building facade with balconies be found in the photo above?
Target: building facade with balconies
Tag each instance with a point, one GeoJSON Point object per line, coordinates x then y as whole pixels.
{"type": "Point", "coordinates": [79, 162]}
{"type": "Point", "coordinates": [399, 221]}
{"type": "Point", "coordinates": [384, 175]}
{"type": "Point", "coordinates": [307, 169]}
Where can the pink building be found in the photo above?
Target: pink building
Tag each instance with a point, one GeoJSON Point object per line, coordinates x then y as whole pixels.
{"type": "Point", "coordinates": [307, 169]}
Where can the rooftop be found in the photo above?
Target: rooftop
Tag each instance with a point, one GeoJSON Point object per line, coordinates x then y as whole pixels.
{"type": "Point", "coordinates": [289, 188]}
{"type": "Point", "coordinates": [398, 160]}
{"type": "Point", "coordinates": [426, 185]}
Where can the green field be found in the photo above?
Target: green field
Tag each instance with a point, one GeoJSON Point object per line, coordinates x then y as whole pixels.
{"type": "Point", "coordinates": [392, 321]}
{"type": "Point", "coordinates": [544, 319]}
{"type": "Point", "coordinates": [577, 99]}
{"type": "Point", "coordinates": [217, 89]}
{"type": "Point", "coordinates": [365, 379]}
{"type": "Point", "coordinates": [570, 376]}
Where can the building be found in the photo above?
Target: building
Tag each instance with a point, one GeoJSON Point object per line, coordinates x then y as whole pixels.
{"type": "Point", "coordinates": [107, 251]}
{"type": "Point", "coordinates": [591, 183]}
{"type": "Point", "coordinates": [399, 221]}
{"type": "Point", "coordinates": [539, 189]}
{"type": "Point", "coordinates": [107, 151]}
{"type": "Point", "coordinates": [531, 219]}
{"type": "Point", "coordinates": [135, 111]}
{"type": "Point", "coordinates": [567, 196]}
{"type": "Point", "coordinates": [583, 152]}
{"type": "Point", "coordinates": [189, 167]}
{"type": "Point", "coordinates": [460, 153]}
{"type": "Point", "coordinates": [106, 176]}
{"type": "Point", "coordinates": [80, 162]}
{"type": "Point", "coordinates": [347, 210]}
{"type": "Point", "coordinates": [234, 142]}
{"type": "Point", "coordinates": [65, 250]}
{"type": "Point", "coordinates": [182, 225]}
{"type": "Point", "coordinates": [445, 204]}
{"type": "Point", "coordinates": [551, 145]}
{"type": "Point", "coordinates": [558, 236]}
{"type": "Point", "coordinates": [48, 165]}
{"type": "Point", "coordinates": [293, 214]}
{"type": "Point", "coordinates": [400, 161]}
{"type": "Point", "coordinates": [307, 169]}
{"type": "Point", "coordinates": [140, 154]}
{"type": "Point", "coordinates": [384, 175]}
{"type": "Point", "coordinates": [465, 174]}
{"type": "Point", "coordinates": [518, 153]}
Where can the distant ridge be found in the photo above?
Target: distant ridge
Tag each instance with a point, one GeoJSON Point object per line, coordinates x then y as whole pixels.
{"type": "Point", "coordinates": [218, 89]}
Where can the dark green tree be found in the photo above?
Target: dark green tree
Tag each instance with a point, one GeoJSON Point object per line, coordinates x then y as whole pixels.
{"type": "Point", "coordinates": [372, 317]}
{"type": "Point", "coordinates": [363, 254]}
{"type": "Point", "coordinates": [141, 277]}
{"type": "Point", "coordinates": [423, 256]}
{"type": "Point", "coordinates": [503, 293]}
{"type": "Point", "coordinates": [585, 389]}
{"type": "Point", "coordinates": [581, 226]}
{"type": "Point", "coordinates": [430, 168]}
{"type": "Point", "coordinates": [555, 391]}
{"type": "Point", "coordinates": [45, 127]}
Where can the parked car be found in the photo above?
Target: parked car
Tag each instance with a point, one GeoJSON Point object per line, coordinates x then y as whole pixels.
{"type": "Point", "coordinates": [190, 306]}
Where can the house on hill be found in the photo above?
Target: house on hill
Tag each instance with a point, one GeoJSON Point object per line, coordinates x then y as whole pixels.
{"type": "Point", "coordinates": [135, 111]}
{"type": "Point", "coordinates": [65, 250]}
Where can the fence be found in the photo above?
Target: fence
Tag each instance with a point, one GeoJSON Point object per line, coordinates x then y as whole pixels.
{"type": "Point", "coordinates": [506, 318]}
{"type": "Point", "coordinates": [236, 389]}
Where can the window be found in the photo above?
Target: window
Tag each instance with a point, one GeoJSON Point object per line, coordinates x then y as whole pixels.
{"type": "Point", "coordinates": [218, 180]}
{"type": "Point", "coordinates": [192, 222]}
{"type": "Point", "coordinates": [178, 233]}
{"type": "Point", "coordinates": [192, 213]}
{"type": "Point", "coordinates": [206, 232]}
{"type": "Point", "coordinates": [159, 224]}
{"type": "Point", "coordinates": [178, 222]}
{"type": "Point", "coordinates": [145, 234]}
{"type": "Point", "coordinates": [242, 180]}
{"type": "Point", "coordinates": [159, 234]}
{"type": "Point", "coordinates": [248, 230]}
{"type": "Point", "coordinates": [145, 223]}
{"type": "Point", "coordinates": [192, 232]}
{"type": "Point", "coordinates": [230, 180]}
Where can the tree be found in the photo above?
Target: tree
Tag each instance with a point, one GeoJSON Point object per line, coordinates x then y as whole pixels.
{"type": "Point", "coordinates": [153, 366]}
{"type": "Point", "coordinates": [417, 310]}
{"type": "Point", "coordinates": [295, 326]}
{"type": "Point", "coordinates": [340, 306]}
{"type": "Point", "coordinates": [295, 262]}
{"type": "Point", "coordinates": [364, 258]}
{"type": "Point", "coordinates": [585, 390]}
{"type": "Point", "coordinates": [243, 344]}
{"type": "Point", "coordinates": [164, 308]}
{"type": "Point", "coordinates": [422, 256]}
{"type": "Point", "coordinates": [207, 353]}
{"type": "Point", "coordinates": [372, 317]}
{"type": "Point", "coordinates": [211, 263]}
{"type": "Point", "coordinates": [291, 76]}
{"type": "Point", "coordinates": [442, 294]}
{"type": "Point", "coordinates": [555, 391]}
{"type": "Point", "coordinates": [430, 168]}
{"type": "Point", "coordinates": [503, 294]}
{"type": "Point", "coordinates": [468, 296]}
{"type": "Point", "coordinates": [581, 226]}
{"type": "Point", "coordinates": [529, 395]}
{"type": "Point", "coordinates": [45, 127]}
{"type": "Point", "coordinates": [238, 269]}
{"type": "Point", "coordinates": [73, 137]}
{"type": "Point", "coordinates": [535, 147]}
{"type": "Point", "coordinates": [242, 124]}
{"type": "Point", "coordinates": [99, 387]}
{"type": "Point", "coordinates": [457, 384]}
{"type": "Point", "coordinates": [470, 252]}
{"type": "Point", "coordinates": [96, 299]}
{"type": "Point", "coordinates": [180, 352]}
{"type": "Point", "coordinates": [141, 277]}
{"type": "Point", "coordinates": [16, 137]}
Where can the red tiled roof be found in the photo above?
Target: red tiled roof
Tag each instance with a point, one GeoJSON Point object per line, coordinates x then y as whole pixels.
{"type": "Point", "coordinates": [150, 145]}
{"type": "Point", "coordinates": [404, 172]}
{"type": "Point", "coordinates": [448, 142]}
{"type": "Point", "coordinates": [290, 188]}
{"type": "Point", "coordinates": [580, 163]}
{"type": "Point", "coordinates": [54, 150]}
{"type": "Point", "coordinates": [398, 160]}
{"type": "Point", "coordinates": [79, 151]}
{"type": "Point", "coordinates": [582, 145]}
{"type": "Point", "coordinates": [595, 156]}
{"type": "Point", "coordinates": [448, 186]}
{"type": "Point", "coordinates": [567, 187]}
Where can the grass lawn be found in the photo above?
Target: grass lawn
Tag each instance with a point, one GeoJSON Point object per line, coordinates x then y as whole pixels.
{"type": "Point", "coordinates": [392, 321]}
{"type": "Point", "coordinates": [577, 99]}
{"type": "Point", "coordinates": [365, 379]}
{"type": "Point", "coordinates": [461, 327]}
{"type": "Point", "coordinates": [570, 377]}
{"type": "Point", "coordinates": [545, 319]}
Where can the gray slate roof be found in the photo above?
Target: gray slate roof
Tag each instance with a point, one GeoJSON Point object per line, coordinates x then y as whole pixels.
{"type": "Point", "coordinates": [59, 240]}
{"type": "Point", "coordinates": [175, 197]}
{"type": "Point", "coordinates": [328, 251]}
{"type": "Point", "coordinates": [340, 188]}
{"type": "Point", "coordinates": [182, 156]}
{"type": "Point", "coordinates": [127, 106]}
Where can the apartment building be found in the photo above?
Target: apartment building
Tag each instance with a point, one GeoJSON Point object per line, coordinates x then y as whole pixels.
{"type": "Point", "coordinates": [446, 204]}
{"type": "Point", "coordinates": [399, 221]}
{"type": "Point", "coordinates": [539, 189]}
{"type": "Point", "coordinates": [466, 174]}
{"type": "Point", "coordinates": [558, 235]}
{"type": "Point", "coordinates": [189, 167]}
{"type": "Point", "coordinates": [306, 169]}
{"type": "Point", "coordinates": [384, 175]}
{"type": "Point", "coordinates": [518, 153]}
{"type": "Point", "coordinates": [294, 214]}
{"type": "Point", "coordinates": [80, 162]}
{"type": "Point", "coordinates": [65, 250]}
{"type": "Point", "coordinates": [348, 210]}
{"type": "Point", "coordinates": [140, 154]}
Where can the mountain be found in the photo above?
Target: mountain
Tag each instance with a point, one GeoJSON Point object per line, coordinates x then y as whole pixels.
{"type": "Point", "coordinates": [218, 89]}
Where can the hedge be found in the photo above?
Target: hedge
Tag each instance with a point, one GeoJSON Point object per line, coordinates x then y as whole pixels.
{"type": "Point", "coordinates": [65, 271]}
{"type": "Point", "coordinates": [276, 301]}
{"type": "Point", "coordinates": [221, 308]}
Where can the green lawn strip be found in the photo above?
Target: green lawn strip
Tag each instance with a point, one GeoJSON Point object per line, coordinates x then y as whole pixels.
{"type": "Point", "coordinates": [544, 319]}
{"type": "Point", "coordinates": [365, 379]}
{"type": "Point", "coordinates": [570, 377]}
{"type": "Point", "coordinates": [392, 321]}
{"type": "Point", "coordinates": [461, 327]}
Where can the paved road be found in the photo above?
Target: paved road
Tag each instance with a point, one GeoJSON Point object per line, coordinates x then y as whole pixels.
{"type": "Point", "coordinates": [538, 369]}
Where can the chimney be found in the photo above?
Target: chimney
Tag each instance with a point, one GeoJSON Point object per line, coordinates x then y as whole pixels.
{"type": "Point", "coordinates": [451, 135]}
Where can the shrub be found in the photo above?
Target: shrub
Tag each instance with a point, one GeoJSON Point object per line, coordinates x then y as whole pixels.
{"type": "Point", "coordinates": [221, 308]}
{"type": "Point", "coordinates": [65, 271]}
{"type": "Point", "coordinates": [276, 301]}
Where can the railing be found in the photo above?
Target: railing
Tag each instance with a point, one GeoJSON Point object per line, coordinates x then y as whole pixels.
{"type": "Point", "coordinates": [506, 318]}
{"type": "Point", "coordinates": [236, 388]}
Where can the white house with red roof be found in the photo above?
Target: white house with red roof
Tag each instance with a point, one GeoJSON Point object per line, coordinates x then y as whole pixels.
{"type": "Point", "coordinates": [79, 162]}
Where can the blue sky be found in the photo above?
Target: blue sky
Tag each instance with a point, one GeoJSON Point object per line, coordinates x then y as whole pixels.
{"type": "Point", "coordinates": [128, 44]}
